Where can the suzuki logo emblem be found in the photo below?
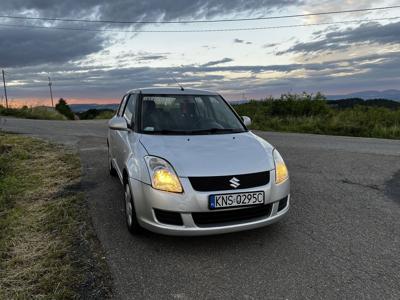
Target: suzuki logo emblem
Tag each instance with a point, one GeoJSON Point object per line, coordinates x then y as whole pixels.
{"type": "Point", "coordinates": [234, 182]}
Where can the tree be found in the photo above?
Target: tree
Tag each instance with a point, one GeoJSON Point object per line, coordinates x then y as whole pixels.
{"type": "Point", "coordinates": [63, 108]}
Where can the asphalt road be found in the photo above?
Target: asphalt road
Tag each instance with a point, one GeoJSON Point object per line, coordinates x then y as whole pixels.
{"type": "Point", "coordinates": [340, 240]}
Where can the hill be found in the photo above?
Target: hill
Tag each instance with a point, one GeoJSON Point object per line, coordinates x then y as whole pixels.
{"type": "Point", "coordinates": [387, 94]}
{"type": "Point", "coordinates": [352, 102]}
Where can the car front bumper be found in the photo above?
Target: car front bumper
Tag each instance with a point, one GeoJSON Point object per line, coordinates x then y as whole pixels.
{"type": "Point", "coordinates": [147, 200]}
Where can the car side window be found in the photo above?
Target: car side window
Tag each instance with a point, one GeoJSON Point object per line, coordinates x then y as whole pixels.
{"type": "Point", "coordinates": [121, 106]}
{"type": "Point", "coordinates": [130, 108]}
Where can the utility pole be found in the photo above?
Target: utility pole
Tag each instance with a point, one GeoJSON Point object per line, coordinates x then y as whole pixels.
{"type": "Point", "coordinates": [5, 89]}
{"type": "Point", "coordinates": [51, 92]}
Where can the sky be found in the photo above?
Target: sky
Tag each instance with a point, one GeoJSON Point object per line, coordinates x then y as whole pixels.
{"type": "Point", "coordinates": [100, 64]}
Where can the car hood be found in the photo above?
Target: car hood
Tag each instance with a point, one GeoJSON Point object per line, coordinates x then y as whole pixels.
{"type": "Point", "coordinates": [212, 155]}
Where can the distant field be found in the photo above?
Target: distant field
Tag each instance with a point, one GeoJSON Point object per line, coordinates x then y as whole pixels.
{"type": "Point", "coordinates": [307, 114]}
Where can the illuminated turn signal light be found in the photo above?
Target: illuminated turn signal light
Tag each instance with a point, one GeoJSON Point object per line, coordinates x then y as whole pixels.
{"type": "Point", "coordinates": [281, 173]}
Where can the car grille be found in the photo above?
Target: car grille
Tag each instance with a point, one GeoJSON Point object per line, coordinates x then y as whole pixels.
{"type": "Point", "coordinates": [205, 219]}
{"type": "Point", "coordinates": [222, 183]}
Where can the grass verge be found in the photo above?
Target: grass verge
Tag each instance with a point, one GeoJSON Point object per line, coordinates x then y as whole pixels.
{"type": "Point", "coordinates": [48, 248]}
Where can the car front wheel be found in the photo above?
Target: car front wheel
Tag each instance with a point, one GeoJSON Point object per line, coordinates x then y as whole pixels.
{"type": "Point", "coordinates": [111, 168]}
{"type": "Point", "coordinates": [130, 213]}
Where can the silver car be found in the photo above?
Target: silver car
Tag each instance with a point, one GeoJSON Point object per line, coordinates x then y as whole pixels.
{"type": "Point", "coordinates": [190, 166]}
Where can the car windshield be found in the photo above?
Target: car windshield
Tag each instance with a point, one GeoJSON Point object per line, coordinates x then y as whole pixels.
{"type": "Point", "coordinates": [187, 114]}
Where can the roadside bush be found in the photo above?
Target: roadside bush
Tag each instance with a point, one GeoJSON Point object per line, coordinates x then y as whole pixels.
{"type": "Point", "coordinates": [63, 108]}
{"type": "Point", "coordinates": [44, 113]}
{"type": "Point", "coordinates": [96, 114]}
{"type": "Point", "coordinates": [311, 114]}
{"type": "Point", "coordinates": [299, 105]}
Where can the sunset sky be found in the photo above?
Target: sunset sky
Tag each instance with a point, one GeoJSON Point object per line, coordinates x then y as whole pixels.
{"type": "Point", "coordinates": [99, 66]}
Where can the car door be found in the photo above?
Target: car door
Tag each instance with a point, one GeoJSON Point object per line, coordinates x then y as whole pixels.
{"type": "Point", "coordinates": [123, 137]}
{"type": "Point", "coordinates": [113, 135]}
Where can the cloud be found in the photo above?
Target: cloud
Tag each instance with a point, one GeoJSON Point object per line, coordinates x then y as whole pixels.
{"type": "Point", "coordinates": [217, 62]}
{"type": "Point", "coordinates": [374, 71]}
{"type": "Point", "coordinates": [150, 57]}
{"type": "Point", "coordinates": [239, 41]}
{"type": "Point", "coordinates": [75, 59]}
{"type": "Point", "coordinates": [71, 81]}
{"type": "Point", "coordinates": [270, 45]}
{"type": "Point", "coordinates": [208, 47]}
{"type": "Point", "coordinates": [19, 47]}
{"type": "Point", "coordinates": [141, 9]}
{"type": "Point", "coordinates": [141, 56]}
{"type": "Point", "coordinates": [369, 33]}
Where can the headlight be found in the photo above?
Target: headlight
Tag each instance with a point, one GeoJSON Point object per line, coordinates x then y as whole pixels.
{"type": "Point", "coordinates": [281, 172]}
{"type": "Point", "coordinates": [163, 176]}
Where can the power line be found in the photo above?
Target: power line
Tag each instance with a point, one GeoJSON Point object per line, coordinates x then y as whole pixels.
{"type": "Point", "coordinates": [203, 21]}
{"type": "Point", "coordinates": [196, 30]}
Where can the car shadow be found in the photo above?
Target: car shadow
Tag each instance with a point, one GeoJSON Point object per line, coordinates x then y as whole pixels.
{"type": "Point", "coordinates": [255, 237]}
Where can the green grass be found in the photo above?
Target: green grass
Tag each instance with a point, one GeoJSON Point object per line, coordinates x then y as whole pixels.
{"type": "Point", "coordinates": [315, 116]}
{"type": "Point", "coordinates": [48, 249]}
{"type": "Point", "coordinates": [32, 113]}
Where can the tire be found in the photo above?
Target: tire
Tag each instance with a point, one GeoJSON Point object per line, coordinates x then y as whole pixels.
{"type": "Point", "coordinates": [130, 213]}
{"type": "Point", "coordinates": [111, 168]}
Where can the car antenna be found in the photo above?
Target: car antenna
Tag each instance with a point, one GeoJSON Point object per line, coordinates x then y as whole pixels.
{"type": "Point", "coordinates": [182, 89]}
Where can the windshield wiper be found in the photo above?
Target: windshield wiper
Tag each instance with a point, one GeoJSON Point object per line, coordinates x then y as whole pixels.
{"type": "Point", "coordinates": [216, 130]}
{"type": "Point", "coordinates": [168, 131]}
{"type": "Point", "coordinates": [194, 132]}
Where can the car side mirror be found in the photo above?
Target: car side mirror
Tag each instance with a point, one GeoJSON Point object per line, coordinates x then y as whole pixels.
{"type": "Point", "coordinates": [118, 123]}
{"type": "Point", "coordinates": [246, 121]}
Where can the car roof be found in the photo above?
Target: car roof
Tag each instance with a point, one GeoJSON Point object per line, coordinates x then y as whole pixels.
{"type": "Point", "coordinates": [171, 91]}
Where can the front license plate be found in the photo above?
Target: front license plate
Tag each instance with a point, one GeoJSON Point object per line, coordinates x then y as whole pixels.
{"type": "Point", "coordinates": [235, 200]}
